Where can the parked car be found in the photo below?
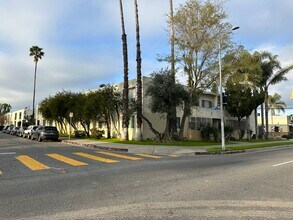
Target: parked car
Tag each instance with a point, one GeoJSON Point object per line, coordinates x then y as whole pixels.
{"type": "Point", "coordinates": [1, 127]}
{"type": "Point", "coordinates": [8, 130]}
{"type": "Point", "coordinates": [5, 128]}
{"type": "Point", "coordinates": [20, 131]}
{"type": "Point", "coordinates": [14, 130]}
{"type": "Point", "coordinates": [45, 133]}
{"type": "Point", "coordinates": [28, 131]}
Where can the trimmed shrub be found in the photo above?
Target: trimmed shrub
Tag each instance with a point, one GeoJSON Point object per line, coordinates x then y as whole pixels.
{"type": "Point", "coordinates": [79, 133]}
{"type": "Point", "coordinates": [98, 134]}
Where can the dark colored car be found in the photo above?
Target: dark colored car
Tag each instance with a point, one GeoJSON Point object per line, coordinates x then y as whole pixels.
{"type": "Point", "coordinates": [14, 130]}
{"type": "Point", "coordinates": [5, 128]}
{"type": "Point", "coordinates": [20, 131]}
{"type": "Point", "coordinates": [1, 127]}
{"type": "Point", "coordinates": [46, 133]}
{"type": "Point", "coordinates": [9, 129]}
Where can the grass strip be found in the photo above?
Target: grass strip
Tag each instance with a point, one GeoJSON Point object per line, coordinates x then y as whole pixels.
{"type": "Point", "coordinates": [175, 143]}
{"type": "Point", "coordinates": [250, 146]}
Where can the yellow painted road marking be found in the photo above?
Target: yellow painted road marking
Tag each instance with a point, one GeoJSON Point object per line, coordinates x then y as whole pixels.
{"type": "Point", "coordinates": [1, 173]}
{"type": "Point", "coordinates": [31, 163]}
{"type": "Point", "coordinates": [119, 155]}
{"type": "Point", "coordinates": [147, 155]}
{"type": "Point", "coordinates": [67, 160]}
{"type": "Point", "coordinates": [93, 157]}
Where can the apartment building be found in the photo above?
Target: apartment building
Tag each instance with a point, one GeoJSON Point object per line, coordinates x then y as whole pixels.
{"type": "Point", "coordinates": [207, 112]}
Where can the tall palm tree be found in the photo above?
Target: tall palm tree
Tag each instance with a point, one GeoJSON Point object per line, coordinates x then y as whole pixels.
{"type": "Point", "coordinates": [125, 116]}
{"type": "Point", "coordinates": [275, 103]}
{"type": "Point", "coordinates": [37, 53]}
{"type": "Point", "coordinates": [272, 74]}
{"type": "Point", "coordinates": [173, 121]}
{"type": "Point", "coordinates": [138, 80]}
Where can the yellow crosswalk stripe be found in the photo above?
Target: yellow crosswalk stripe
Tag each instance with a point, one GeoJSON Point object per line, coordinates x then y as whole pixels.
{"type": "Point", "coordinates": [119, 155]}
{"type": "Point", "coordinates": [93, 157]}
{"type": "Point", "coordinates": [67, 160]}
{"type": "Point", "coordinates": [1, 173]}
{"type": "Point", "coordinates": [148, 155]}
{"type": "Point", "coordinates": [31, 163]}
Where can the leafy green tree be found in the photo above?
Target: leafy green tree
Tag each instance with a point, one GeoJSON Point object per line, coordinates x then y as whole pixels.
{"type": "Point", "coordinates": [242, 100]}
{"type": "Point", "coordinates": [199, 25]}
{"type": "Point", "coordinates": [125, 117]}
{"type": "Point", "coordinates": [162, 93]}
{"type": "Point", "coordinates": [111, 102]}
{"type": "Point", "coordinates": [4, 108]}
{"type": "Point", "coordinates": [272, 74]}
{"type": "Point", "coordinates": [244, 68]}
{"type": "Point", "coordinates": [37, 53]}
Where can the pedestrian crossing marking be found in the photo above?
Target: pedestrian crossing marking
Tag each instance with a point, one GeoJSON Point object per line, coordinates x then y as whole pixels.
{"type": "Point", "coordinates": [31, 163]}
{"type": "Point", "coordinates": [119, 155]}
{"type": "Point", "coordinates": [150, 156]}
{"type": "Point", "coordinates": [93, 157]}
{"type": "Point", "coordinates": [1, 173]}
{"type": "Point", "coordinates": [67, 160]}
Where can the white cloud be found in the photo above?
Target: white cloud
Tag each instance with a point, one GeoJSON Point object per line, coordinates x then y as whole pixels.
{"type": "Point", "coordinates": [82, 41]}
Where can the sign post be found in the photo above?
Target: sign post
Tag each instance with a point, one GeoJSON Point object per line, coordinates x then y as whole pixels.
{"type": "Point", "coordinates": [70, 117]}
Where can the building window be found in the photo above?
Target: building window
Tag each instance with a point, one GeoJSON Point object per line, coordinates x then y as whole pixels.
{"type": "Point", "coordinates": [19, 115]}
{"type": "Point", "coordinates": [192, 123]}
{"type": "Point", "coordinates": [197, 122]}
{"type": "Point", "coordinates": [206, 104]}
{"type": "Point", "coordinates": [15, 116]}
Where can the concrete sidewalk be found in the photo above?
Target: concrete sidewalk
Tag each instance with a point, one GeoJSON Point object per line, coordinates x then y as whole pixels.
{"type": "Point", "coordinates": [132, 148]}
{"type": "Point", "coordinates": [158, 149]}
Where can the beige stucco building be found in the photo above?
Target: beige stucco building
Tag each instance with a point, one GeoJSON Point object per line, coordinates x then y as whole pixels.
{"type": "Point", "coordinates": [279, 124]}
{"type": "Point", "coordinates": [207, 112]}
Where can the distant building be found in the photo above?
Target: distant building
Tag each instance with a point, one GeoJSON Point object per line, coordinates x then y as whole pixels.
{"type": "Point", "coordinates": [18, 118]}
{"type": "Point", "coordinates": [279, 124]}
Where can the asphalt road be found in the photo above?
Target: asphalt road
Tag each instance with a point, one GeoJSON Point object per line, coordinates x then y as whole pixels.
{"type": "Point", "coordinates": [71, 185]}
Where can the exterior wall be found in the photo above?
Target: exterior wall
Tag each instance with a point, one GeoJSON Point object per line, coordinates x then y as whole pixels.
{"type": "Point", "coordinates": [283, 122]}
{"type": "Point", "coordinates": [17, 118]}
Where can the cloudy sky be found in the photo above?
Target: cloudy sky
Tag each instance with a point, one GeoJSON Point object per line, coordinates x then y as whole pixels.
{"type": "Point", "coordinates": [82, 42]}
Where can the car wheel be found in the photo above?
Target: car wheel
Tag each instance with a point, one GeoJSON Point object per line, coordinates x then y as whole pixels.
{"type": "Point", "coordinates": [32, 137]}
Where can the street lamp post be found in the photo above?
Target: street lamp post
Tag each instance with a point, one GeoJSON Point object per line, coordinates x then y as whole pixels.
{"type": "Point", "coordinates": [221, 94]}
{"type": "Point", "coordinates": [70, 117]}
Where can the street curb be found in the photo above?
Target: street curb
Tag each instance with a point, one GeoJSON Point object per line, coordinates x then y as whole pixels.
{"type": "Point", "coordinates": [95, 146]}
{"type": "Point", "coordinates": [220, 153]}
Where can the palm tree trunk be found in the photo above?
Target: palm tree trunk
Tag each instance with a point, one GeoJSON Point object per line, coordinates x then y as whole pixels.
{"type": "Point", "coordinates": [248, 127]}
{"type": "Point", "coordinates": [173, 121]}
{"type": "Point", "coordinates": [266, 115]}
{"type": "Point", "coordinates": [256, 124]}
{"type": "Point", "coordinates": [172, 40]}
{"type": "Point", "coordinates": [138, 80]}
{"type": "Point", "coordinates": [125, 117]}
{"type": "Point", "coordinates": [34, 93]}
{"type": "Point", "coordinates": [262, 120]}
